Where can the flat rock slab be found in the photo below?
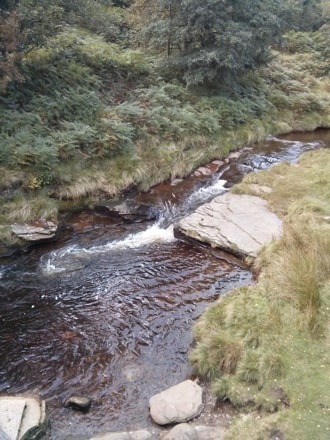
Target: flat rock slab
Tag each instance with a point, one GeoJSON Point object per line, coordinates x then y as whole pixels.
{"type": "Point", "coordinates": [11, 414]}
{"type": "Point", "coordinates": [177, 404]}
{"type": "Point", "coordinates": [239, 224]}
{"type": "Point", "coordinates": [33, 233]}
{"type": "Point", "coordinates": [20, 416]}
{"type": "Point", "coordinates": [131, 435]}
{"type": "Point", "coordinates": [185, 431]}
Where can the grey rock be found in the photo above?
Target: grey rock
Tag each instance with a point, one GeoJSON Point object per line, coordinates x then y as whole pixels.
{"type": "Point", "coordinates": [132, 372]}
{"type": "Point", "coordinates": [238, 224]}
{"type": "Point", "coordinates": [11, 414]}
{"type": "Point", "coordinates": [177, 404]}
{"type": "Point", "coordinates": [129, 210]}
{"type": "Point", "coordinates": [186, 431]}
{"type": "Point", "coordinates": [131, 435]}
{"type": "Point", "coordinates": [234, 155]}
{"type": "Point", "coordinates": [3, 435]}
{"type": "Point", "coordinates": [204, 171]}
{"type": "Point", "coordinates": [79, 403]}
{"type": "Point", "coordinates": [218, 162]}
{"type": "Point", "coordinates": [41, 231]}
{"type": "Point", "coordinates": [22, 418]}
{"type": "Point", "coordinates": [175, 182]}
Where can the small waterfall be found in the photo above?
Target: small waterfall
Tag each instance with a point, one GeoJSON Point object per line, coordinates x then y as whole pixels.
{"type": "Point", "coordinates": [73, 258]}
{"type": "Point", "coordinates": [205, 194]}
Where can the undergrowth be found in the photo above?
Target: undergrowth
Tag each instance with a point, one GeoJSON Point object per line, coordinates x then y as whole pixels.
{"type": "Point", "coordinates": [265, 347]}
{"type": "Point", "coordinates": [94, 118]}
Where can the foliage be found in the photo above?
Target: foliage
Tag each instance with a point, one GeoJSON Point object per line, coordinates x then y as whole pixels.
{"type": "Point", "coordinates": [10, 38]}
{"type": "Point", "coordinates": [98, 17]}
{"type": "Point", "coordinates": [209, 42]}
{"type": "Point", "coordinates": [40, 19]}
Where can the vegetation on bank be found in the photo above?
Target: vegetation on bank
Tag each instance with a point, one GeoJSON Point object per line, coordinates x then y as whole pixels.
{"type": "Point", "coordinates": [265, 347]}
{"type": "Point", "coordinates": [86, 112]}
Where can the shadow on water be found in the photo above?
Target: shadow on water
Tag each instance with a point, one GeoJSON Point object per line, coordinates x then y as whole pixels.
{"type": "Point", "coordinates": [108, 312]}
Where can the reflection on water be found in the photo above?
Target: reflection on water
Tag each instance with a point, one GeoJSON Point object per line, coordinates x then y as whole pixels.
{"type": "Point", "coordinates": [108, 313]}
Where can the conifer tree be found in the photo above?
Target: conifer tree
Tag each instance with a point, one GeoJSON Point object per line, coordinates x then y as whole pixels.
{"type": "Point", "coordinates": [10, 39]}
{"type": "Point", "coordinates": [210, 40]}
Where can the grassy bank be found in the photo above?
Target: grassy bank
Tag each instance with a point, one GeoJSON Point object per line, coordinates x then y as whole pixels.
{"type": "Point", "coordinates": [94, 118]}
{"type": "Point", "coordinates": [265, 347]}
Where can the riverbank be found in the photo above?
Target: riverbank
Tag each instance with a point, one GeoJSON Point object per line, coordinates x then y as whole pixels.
{"type": "Point", "coordinates": [153, 131]}
{"type": "Point", "coordinates": [265, 347]}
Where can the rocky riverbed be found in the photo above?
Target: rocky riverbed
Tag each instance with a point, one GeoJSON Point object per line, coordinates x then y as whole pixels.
{"type": "Point", "coordinates": [107, 311]}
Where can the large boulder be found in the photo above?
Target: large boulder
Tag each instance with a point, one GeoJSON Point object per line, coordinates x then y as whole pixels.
{"type": "Point", "coordinates": [37, 232]}
{"type": "Point", "coordinates": [239, 224]}
{"type": "Point", "coordinates": [177, 404]}
{"type": "Point", "coordinates": [22, 418]}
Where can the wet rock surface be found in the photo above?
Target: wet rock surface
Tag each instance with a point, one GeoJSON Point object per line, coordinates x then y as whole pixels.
{"type": "Point", "coordinates": [78, 403]}
{"type": "Point", "coordinates": [186, 431]}
{"type": "Point", "coordinates": [177, 404]}
{"type": "Point", "coordinates": [238, 224]}
{"type": "Point", "coordinates": [37, 232]}
{"type": "Point", "coordinates": [131, 435]}
{"type": "Point", "coordinates": [129, 210]}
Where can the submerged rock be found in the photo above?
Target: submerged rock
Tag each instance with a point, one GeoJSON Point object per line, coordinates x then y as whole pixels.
{"type": "Point", "coordinates": [22, 418]}
{"type": "Point", "coordinates": [129, 210]}
{"type": "Point", "coordinates": [239, 224]}
{"type": "Point", "coordinates": [36, 232]}
{"type": "Point", "coordinates": [131, 435]}
{"type": "Point", "coordinates": [78, 402]}
{"type": "Point", "coordinates": [177, 404]}
{"type": "Point", "coordinates": [185, 431]}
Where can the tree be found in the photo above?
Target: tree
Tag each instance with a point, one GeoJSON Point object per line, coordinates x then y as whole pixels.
{"type": "Point", "coordinates": [24, 24]}
{"type": "Point", "coordinates": [40, 20]}
{"type": "Point", "coordinates": [10, 40]}
{"type": "Point", "coordinates": [207, 41]}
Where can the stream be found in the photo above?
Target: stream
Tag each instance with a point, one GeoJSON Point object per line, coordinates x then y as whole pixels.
{"type": "Point", "coordinates": [107, 311]}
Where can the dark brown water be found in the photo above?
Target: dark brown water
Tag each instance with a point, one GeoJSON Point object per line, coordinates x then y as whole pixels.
{"type": "Point", "coordinates": [108, 311]}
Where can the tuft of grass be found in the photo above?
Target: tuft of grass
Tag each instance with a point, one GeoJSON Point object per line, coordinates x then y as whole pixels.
{"type": "Point", "coordinates": [27, 209]}
{"type": "Point", "coordinates": [282, 323]}
{"type": "Point", "coordinates": [10, 178]}
{"type": "Point", "coordinates": [6, 236]}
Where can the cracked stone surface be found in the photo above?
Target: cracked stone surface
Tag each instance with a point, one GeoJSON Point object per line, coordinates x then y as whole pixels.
{"type": "Point", "coordinates": [177, 404]}
{"type": "Point", "coordinates": [239, 224]}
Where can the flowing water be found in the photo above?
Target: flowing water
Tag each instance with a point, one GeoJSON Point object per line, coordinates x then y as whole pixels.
{"type": "Point", "coordinates": [107, 312]}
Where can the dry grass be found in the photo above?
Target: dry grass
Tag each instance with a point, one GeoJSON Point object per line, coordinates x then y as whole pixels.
{"type": "Point", "coordinates": [10, 178]}
{"type": "Point", "coordinates": [23, 209]}
{"type": "Point", "coordinates": [281, 324]}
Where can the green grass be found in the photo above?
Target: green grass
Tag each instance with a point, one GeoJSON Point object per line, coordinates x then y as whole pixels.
{"type": "Point", "coordinates": [265, 347]}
